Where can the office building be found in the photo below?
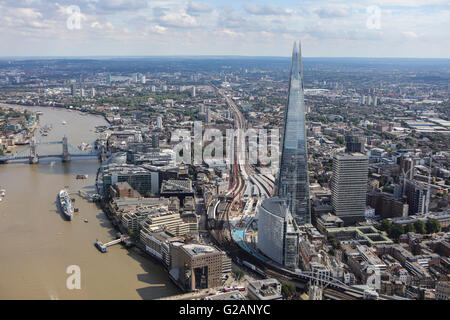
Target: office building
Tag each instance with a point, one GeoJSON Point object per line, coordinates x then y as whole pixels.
{"type": "Point", "coordinates": [367, 235]}
{"type": "Point", "coordinates": [267, 289]}
{"type": "Point", "coordinates": [278, 235]}
{"type": "Point", "coordinates": [293, 177]}
{"type": "Point", "coordinates": [155, 141]}
{"type": "Point", "coordinates": [417, 197]}
{"type": "Point", "coordinates": [208, 115]}
{"type": "Point", "coordinates": [168, 221]}
{"type": "Point", "coordinates": [226, 263]}
{"type": "Point", "coordinates": [159, 123]}
{"type": "Point", "coordinates": [196, 266]}
{"type": "Point", "coordinates": [349, 186]}
{"type": "Point", "coordinates": [123, 190]}
{"type": "Point", "coordinates": [355, 144]}
{"type": "Point", "coordinates": [443, 290]}
{"type": "Point", "coordinates": [137, 177]}
{"type": "Point", "coordinates": [133, 219]}
{"type": "Point", "coordinates": [154, 157]}
{"type": "Point", "coordinates": [407, 166]}
{"type": "Point", "coordinates": [157, 243]}
{"type": "Point", "coordinates": [180, 188]}
{"type": "Point", "coordinates": [386, 205]}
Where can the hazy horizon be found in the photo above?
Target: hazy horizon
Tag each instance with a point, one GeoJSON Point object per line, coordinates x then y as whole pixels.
{"type": "Point", "coordinates": [209, 56]}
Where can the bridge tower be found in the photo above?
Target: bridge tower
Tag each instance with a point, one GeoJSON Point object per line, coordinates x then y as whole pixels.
{"type": "Point", "coordinates": [102, 154]}
{"type": "Point", "coordinates": [34, 158]}
{"type": "Point", "coordinates": [65, 147]}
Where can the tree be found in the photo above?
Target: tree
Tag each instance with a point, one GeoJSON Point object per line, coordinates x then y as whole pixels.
{"type": "Point", "coordinates": [287, 289]}
{"type": "Point", "coordinates": [333, 242]}
{"type": "Point", "coordinates": [238, 274]}
{"type": "Point", "coordinates": [339, 140]}
{"type": "Point", "coordinates": [396, 231]}
{"type": "Point", "coordinates": [433, 226]}
{"type": "Point", "coordinates": [385, 225]}
{"type": "Point", "coordinates": [409, 141]}
{"type": "Point", "coordinates": [410, 228]}
{"type": "Point", "coordinates": [133, 235]}
{"type": "Point", "coordinates": [420, 227]}
{"type": "Point", "coordinates": [383, 180]}
{"type": "Point", "coordinates": [321, 178]}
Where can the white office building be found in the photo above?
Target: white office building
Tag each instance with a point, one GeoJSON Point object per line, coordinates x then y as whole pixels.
{"type": "Point", "coordinates": [159, 123]}
{"type": "Point", "coordinates": [349, 186]}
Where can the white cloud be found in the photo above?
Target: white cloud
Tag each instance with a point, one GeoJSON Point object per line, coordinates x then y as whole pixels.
{"type": "Point", "coordinates": [410, 3]}
{"type": "Point", "coordinates": [266, 10]}
{"type": "Point", "coordinates": [157, 29]}
{"type": "Point", "coordinates": [410, 34]}
{"type": "Point", "coordinates": [332, 12]}
{"type": "Point", "coordinates": [97, 25]}
{"type": "Point", "coordinates": [230, 33]}
{"type": "Point", "coordinates": [327, 26]}
{"type": "Point", "coordinates": [181, 20]}
{"type": "Point", "coordinates": [196, 8]}
{"type": "Point", "coordinates": [27, 13]}
{"type": "Point", "coordinates": [119, 5]}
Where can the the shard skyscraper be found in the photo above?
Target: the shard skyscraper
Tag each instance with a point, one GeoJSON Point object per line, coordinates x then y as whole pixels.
{"type": "Point", "coordinates": [293, 181]}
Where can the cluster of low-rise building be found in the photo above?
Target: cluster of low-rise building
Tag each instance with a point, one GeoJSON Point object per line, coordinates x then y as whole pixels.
{"type": "Point", "coordinates": [16, 127]}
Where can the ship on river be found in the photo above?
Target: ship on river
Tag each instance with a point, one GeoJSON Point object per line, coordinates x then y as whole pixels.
{"type": "Point", "coordinates": [66, 204]}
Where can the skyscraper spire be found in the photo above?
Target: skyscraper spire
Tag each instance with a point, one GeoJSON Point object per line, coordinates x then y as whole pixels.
{"type": "Point", "coordinates": [293, 177]}
{"type": "Point", "coordinates": [301, 63]}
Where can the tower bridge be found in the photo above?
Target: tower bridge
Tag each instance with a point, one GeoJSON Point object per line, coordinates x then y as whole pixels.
{"type": "Point", "coordinates": [31, 152]}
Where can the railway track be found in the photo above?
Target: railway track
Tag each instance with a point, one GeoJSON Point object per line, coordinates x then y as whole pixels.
{"type": "Point", "coordinates": [337, 294]}
{"type": "Point", "coordinates": [222, 236]}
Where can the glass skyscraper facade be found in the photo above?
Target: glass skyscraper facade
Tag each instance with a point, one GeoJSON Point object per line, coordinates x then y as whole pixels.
{"type": "Point", "coordinates": [293, 180]}
{"type": "Point", "coordinates": [278, 236]}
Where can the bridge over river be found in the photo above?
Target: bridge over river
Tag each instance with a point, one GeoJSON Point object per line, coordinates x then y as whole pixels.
{"type": "Point", "coordinates": [31, 152]}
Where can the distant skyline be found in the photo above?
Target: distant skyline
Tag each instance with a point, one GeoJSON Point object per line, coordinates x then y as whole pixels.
{"type": "Point", "coordinates": [333, 28]}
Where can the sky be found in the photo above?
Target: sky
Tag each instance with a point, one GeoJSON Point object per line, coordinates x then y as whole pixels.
{"type": "Point", "coordinates": [332, 28]}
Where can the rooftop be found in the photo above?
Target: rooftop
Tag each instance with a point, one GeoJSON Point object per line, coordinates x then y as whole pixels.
{"type": "Point", "coordinates": [266, 289]}
{"type": "Point", "coordinates": [173, 186]}
{"type": "Point", "coordinates": [276, 206]}
{"type": "Point", "coordinates": [124, 169]}
{"type": "Point", "coordinates": [198, 249]}
{"type": "Point", "coordinates": [367, 233]}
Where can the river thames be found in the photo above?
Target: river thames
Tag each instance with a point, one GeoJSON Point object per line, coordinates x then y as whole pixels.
{"type": "Point", "coordinates": [37, 244]}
